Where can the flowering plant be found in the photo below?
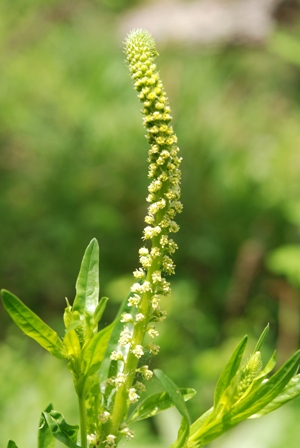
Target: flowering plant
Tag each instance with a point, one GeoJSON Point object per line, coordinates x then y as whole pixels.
{"type": "Point", "coordinates": [107, 365]}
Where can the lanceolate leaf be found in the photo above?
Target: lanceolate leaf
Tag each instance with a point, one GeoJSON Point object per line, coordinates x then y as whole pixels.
{"type": "Point", "coordinates": [173, 392]}
{"type": "Point", "coordinates": [156, 403]}
{"type": "Point", "coordinates": [230, 370]}
{"type": "Point", "coordinates": [262, 338]}
{"type": "Point", "coordinates": [87, 285]}
{"type": "Point", "coordinates": [183, 435]}
{"type": "Point", "coordinates": [176, 397]}
{"type": "Point", "coordinates": [73, 349]}
{"type": "Point", "coordinates": [60, 429]}
{"type": "Point", "coordinates": [291, 391]}
{"type": "Point", "coordinates": [100, 309]}
{"type": "Point", "coordinates": [94, 351]}
{"type": "Point", "coordinates": [200, 421]}
{"type": "Point", "coordinates": [72, 343]}
{"type": "Point", "coordinates": [269, 367]}
{"type": "Point", "coordinates": [32, 325]}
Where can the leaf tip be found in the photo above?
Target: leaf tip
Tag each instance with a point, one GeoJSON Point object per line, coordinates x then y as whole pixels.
{"type": "Point", "coordinates": [94, 241]}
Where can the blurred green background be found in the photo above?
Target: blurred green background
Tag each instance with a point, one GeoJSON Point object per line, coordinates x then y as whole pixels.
{"type": "Point", "coordinates": [73, 167]}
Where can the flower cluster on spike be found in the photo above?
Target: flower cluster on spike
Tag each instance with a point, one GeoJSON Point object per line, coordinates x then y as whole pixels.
{"type": "Point", "coordinates": [247, 374]}
{"type": "Point", "coordinates": [164, 172]}
{"type": "Point", "coordinates": [164, 203]}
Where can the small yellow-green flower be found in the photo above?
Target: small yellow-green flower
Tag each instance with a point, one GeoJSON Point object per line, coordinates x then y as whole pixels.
{"type": "Point", "coordinates": [247, 374]}
{"type": "Point", "coordinates": [155, 255]}
{"type": "Point", "coordinates": [164, 162]}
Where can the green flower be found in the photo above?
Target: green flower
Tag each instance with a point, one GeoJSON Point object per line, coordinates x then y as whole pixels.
{"type": "Point", "coordinates": [164, 203]}
{"type": "Point", "coordinates": [164, 163]}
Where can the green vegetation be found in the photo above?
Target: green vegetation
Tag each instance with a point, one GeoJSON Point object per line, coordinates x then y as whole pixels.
{"type": "Point", "coordinates": [71, 137]}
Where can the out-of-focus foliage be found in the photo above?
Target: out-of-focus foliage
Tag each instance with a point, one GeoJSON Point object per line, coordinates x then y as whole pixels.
{"type": "Point", "coordinates": [26, 387]}
{"type": "Point", "coordinates": [72, 167]}
{"type": "Point", "coordinates": [286, 261]}
{"type": "Point", "coordinates": [71, 140]}
{"type": "Point", "coordinates": [68, 151]}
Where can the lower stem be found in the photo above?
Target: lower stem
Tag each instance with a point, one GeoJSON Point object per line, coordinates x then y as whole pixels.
{"type": "Point", "coordinates": [121, 399]}
{"type": "Point", "coordinates": [82, 416]}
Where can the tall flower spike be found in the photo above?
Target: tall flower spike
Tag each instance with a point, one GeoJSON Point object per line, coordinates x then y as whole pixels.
{"type": "Point", "coordinates": [164, 188]}
{"type": "Point", "coordinates": [164, 162]}
{"type": "Point", "coordinates": [163, 198]}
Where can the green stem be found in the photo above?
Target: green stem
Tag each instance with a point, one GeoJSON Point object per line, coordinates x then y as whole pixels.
{"type": "Point", "coordinates": [121, 399]}
{"type": "Point", "coordinates": [83, 425]}
{"type": "Point", "coordinates": [120, 407]}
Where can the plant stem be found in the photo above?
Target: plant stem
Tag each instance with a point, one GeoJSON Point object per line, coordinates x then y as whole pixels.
{"type": "Point", "coordinates": [121, 398]}
{"type": "Point", "coordinates": [83, 426]}
{"type": "Point", "coordinates": [164, 204]}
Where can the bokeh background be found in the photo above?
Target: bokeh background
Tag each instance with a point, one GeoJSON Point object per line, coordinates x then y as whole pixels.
{"type": "Point", "coordinates": [73, 167]}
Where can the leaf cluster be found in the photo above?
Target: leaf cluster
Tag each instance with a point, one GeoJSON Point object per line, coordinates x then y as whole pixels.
{"type": "Point", "coordinates": [83, 345]}
{"type": "Point", "coordinates": [235, 402]}
{"type": "Point", "coordinates": [243, 390]}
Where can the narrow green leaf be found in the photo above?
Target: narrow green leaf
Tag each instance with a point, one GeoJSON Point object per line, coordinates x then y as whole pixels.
{"type": "Point", "coordinates": [93, 403]}
{"type": "Point", "coordinates": [45, 436]}
{"type": "Point", "coordinates": [176, 397]}
{"type": "Point", "coordinates": [262, 338]}
{"type": "Point", "coordinates": [183, 435]}
{"type": "Point", "coordinates": [261, 396]}
{"type": "Point", "coordinates": [211, 429]}
{"type": "Point", "coordinates": [11, 444]}
{"type": "Point", "coordinates": [93, 353]}
{"type": "Point", "coordinates": [100, 309]}
{"type": "Point", "coordinates": [269, 366]}
{"type": "Point", "coordinates": [230, 370]}
{"type": "Point", "coordinates": [156, 403]}
{"type": "Point", "coordinates": [87, 284]}
{"type": "Point", "coordinates": [195, 427]}
{"type": "Point", "coordinates": [173, 392]}
{"type": "Point", "coordinates": [73, 350]}
{"type": "Point", "coordinates": [32, 325]}
{"type": "Point", "coordinates": [60, 429]}
{"type": "Point", "coordinates": [72, 343]}
{"type": "Point", "coordinates": [291, 391]}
